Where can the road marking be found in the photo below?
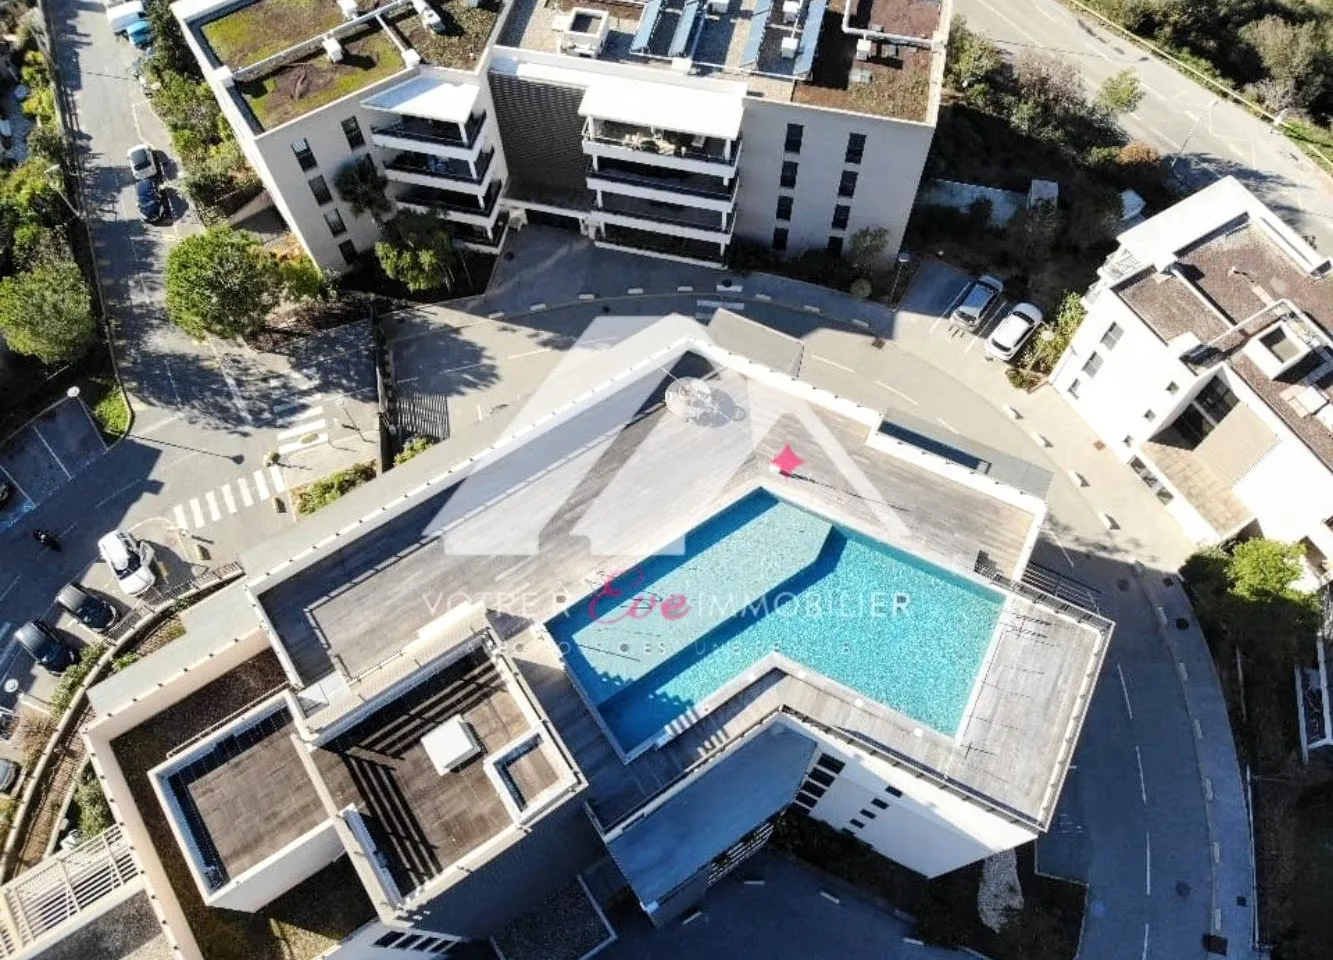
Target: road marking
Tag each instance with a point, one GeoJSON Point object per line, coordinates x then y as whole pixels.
{"type": "Point", "coordinates": [1096, 49]}
{"type": "Point", "coordinates": [298, 445]}
{"type": "Point", "coordinates": [529, 353]}
{"type": "Point", "coordinates": [896, 392]}
{"type": "Point", "coordinates": [261, 485]}
{"type": "Point", "coordinates": [1147, 863]}
{"type": "Point", "coordinates": [213, 510]}
{"type": "Point", "coordinates": [947, 425]}
{"type": "Point", "coordinates": [246, 499]}
{"type": "Point", "coordinates": [1145, 942]}
{"type": "Point", "coordinates": [13, 583]}
{"type": "Point", "coordinates": [279, 484]}
{"type": "Point", "coordinates": [4, 631]}
{"type": "Point", "coordinates": [105, 500]}
{"type": "Point", "coordinates": [831, 363]}
{"type": "Point", "coordinates": [1124, 689]}
{"type": "Point", "coordinates": [1143, 786]}
{"type": "Point", "coordinates": [197, 512]}
{"type": "Point", "coordinates": [286, 406]}
{"type": "Point", "coordinates": [232, 386]}
{"type": "Point", "coordinates": [179, 514]}
{"type": "Point", "coordinates": [1030, 38]}
{"type": "Point", "coordinates": [228, 499]}
{"type": "Point", "coordinates": [302, 429]}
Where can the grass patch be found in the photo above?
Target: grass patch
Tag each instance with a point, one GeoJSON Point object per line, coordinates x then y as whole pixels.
{"type": "Point", "coordinates": [463, 39]}
{"type": "Point", "coordinates": [297, 88]}
{"type": "Point", "coordinates": [322, 492]}
{"type": "Point", "coordinates": [112, 413]}
{"type": "Point", "coordinates": [73, 677]}
{"type": "Point", "coordinates": [260, 30]}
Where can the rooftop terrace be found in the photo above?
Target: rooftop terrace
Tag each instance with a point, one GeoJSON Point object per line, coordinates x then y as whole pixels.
{"type": "Point", "coordinates": [819, 65]}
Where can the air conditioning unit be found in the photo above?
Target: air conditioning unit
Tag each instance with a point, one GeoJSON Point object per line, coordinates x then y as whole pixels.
{"type": "Point", "coordinates": [348, 8]}
{"type": "Point", "coordinates": [719, 6]}
{"type": "Point", "coordinates": [791, 9]}
{"type": "Point", "coordinates": [333, 49]}
{"type": "Point", "coordinates": [789, 47]}
{"type": "Point", "coordinates": [863, 47]}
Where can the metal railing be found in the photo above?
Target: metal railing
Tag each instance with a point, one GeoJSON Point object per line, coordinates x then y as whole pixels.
{"type": "Point", "coordinates": [159, 600]}
{"type": "Point", "coordinates": [433, 131]}
{"type": "Point", "coordinates": [660, 143]}
{"type": "Point", "coordinates": [425, 165]}
{"type": "Point", "coordinates": [665, 182]}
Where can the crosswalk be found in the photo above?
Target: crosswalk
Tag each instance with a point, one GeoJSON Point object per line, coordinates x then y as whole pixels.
{"type": "Point", "coordinates": [259, 486]}
{"type": "Point", "coordinates": [301, 417]}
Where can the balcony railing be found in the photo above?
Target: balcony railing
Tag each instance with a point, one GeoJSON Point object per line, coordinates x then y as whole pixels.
{"type": "Point", "coordinates": [662, 243]}
{"type": "Point", "coordinates": [711, 220]}
{"type": "Point", "coordinates": [695, 185]}
{"type": "Point", "coordinates": [443, 200]}
{"type": "Point", "coordinates": [665, 143]}
{"type": "Point", "coordinates": [434, 131]}
{"type": "Point", "coordinates": [425, 165]}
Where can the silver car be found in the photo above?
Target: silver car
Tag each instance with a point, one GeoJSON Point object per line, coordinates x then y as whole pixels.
{"type": "Point", "coordinates": [976, 301]}
{"type": "Point", "coordinates": [143, 162]}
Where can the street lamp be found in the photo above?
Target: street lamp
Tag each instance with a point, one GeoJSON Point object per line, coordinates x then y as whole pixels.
{"type": "Point", "coordinates": [61, 193]}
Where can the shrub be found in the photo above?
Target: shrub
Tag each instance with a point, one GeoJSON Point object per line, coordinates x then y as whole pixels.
{"type": "Point", "coordinates": [322, 492]}
{"type": "Point", "coordinates": [414, 445]}
{"type": "Point", "coordinates": [73, 678]}
{"type": "Point", "coordinates": [94, 811]}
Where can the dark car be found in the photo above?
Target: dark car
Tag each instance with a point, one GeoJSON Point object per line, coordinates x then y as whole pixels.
{"type": "Point", "coordinates": [46, 648]}
{"type": "Point", "coordinates": [151, 207]}
{"type": "Point", "coordinates": [9, 775]}
{"type": "Point", "coordinates": [88, 609]}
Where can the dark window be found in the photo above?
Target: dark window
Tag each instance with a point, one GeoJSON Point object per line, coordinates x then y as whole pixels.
{"type": "Point", "coordinates": [784, 208]}
{"type": "Point", "coordinates": [877, 802]}
{"type": "Point", "coordinates": [348, 249]}
{"type": "Point", "coordinates": [867, 814]}
{"type": "Point", "coordinates": [1073, 389]}
{"type": "Point", "coordinates": [841, 214]}
{"type": "Point", "coordinates": [303, 155]}
{"type": "Point", "coordinates": [1216, 399]}
{"type": "Point", "coordinates": [805, 800]}
{"type": "Point", "coordinates": [847, 185]}
{"type": "Point", "coordinates": [1150, 416]}
{"type": "Point", "coordinates": [821, 777]}
{"type": "Point", "coordinates": [388, 940]}
{"type": "Point", "coordinates": [320, 189]}
{"type": "Point", "coordinates": [835, 246]}
{"type": "Point", "coordinates": [814, 789]}
{"type": "Point", "coordinates": [352, 131]}
{"type": "Point", "coordinates": [856, 147]}
{"type": "Point", "coordinates": [410, 942]}
{"type": "Point", "coordinates": [794, 133]}
{"type": "Point", "coordinates": [1151, 480]}
{"type": "Point", "coordinates": [832, 764]}
{"type": "Point", "coordinates": [1093, 364]}
{"type": "Point", "coordinates": [1128, 441]}
{"type": "Point", "coordinates": [1172, 388]}
{"type": "Point", "coordinates": [857, 824]}
{"type": "Point", "coordinates": [788, 179]}
{"type": "Point", "coordinates": [335, 221]}
{"type": "Point", "coordinates": [779, 238]}
{"type": "Point", "coordinates": [1112, 336]}
{"type": "Point", "coordinates": [846, 831]}
{"type": "Point", "coordinates": [893, 791]}
{"type": "Point", "coordinates": [441, 947]}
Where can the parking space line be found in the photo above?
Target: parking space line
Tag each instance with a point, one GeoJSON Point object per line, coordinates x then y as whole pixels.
{"type": "Point", "coordinates": [245, 492]}
{"type": "Point", "coordinates": [279, 485]}
{"type": "Point", "coordinates": [947, 425]}
{"type": "Point", "coordinates": [197, 512]}
{"type": "Point", "coordinates": [896, 392]}
{"type": "Point", "coordinates": [831, 363]}
{"type": "Point", "coordinates": [228, 499]}
{"type": "Point", "coordinates": [13, 583]}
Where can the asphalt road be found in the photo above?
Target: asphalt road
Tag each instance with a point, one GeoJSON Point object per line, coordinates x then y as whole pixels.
{"type": "Point", "coordinates": [1204, 136]}
{"type": "Point", "coordinates": [191, 479]}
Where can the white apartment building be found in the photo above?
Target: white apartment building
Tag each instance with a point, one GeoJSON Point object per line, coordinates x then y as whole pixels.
{"type": "Point", "coordinates": [668, 127]}
{"type": "Point", "coordinates": [441, 741]}
{"type": "Point", "coordinates": [1206, 364]}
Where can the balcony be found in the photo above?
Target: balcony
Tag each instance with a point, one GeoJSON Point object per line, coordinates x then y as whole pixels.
{"type": "Point", "coordinates": [484, 239]}
{"type": "Point", "coordinates": [435, 137]}
{"type": "Point", "coordinates": [657, 244]}
{"type": "Point", "coordinates": [447, 173]}
{"type": "Point", "coordinates": [660, 148]}
{"type": "Point", "coordinates": [463, 207]}
{"type": "Point", "coordinates": [674, 219]}
{"type": "Point", "coordinates": [669, 186]}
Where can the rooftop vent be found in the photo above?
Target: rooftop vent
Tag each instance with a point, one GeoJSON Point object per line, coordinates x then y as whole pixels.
{"type": "Point", "coordinates": [333, 49]}
{"type": "Point", "coordinates": [582, 32]}
{"type": "Point", "coordinates": [863, 47]}
{"type": "Point", "coordinates": [348, 8]}
{"type": "Point", "coordinates": [789, 47]}
{"type": "Point", "coordinates": [719, 6]}
{"type": "Point", "coordinates": [860, 75]}
{"type": "Point", "coordinates": [791, 10]}
{"type": "Point", "coordinates": [429, 18]}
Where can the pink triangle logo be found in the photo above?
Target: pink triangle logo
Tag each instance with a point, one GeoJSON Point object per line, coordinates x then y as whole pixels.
{"type": "Point", "coordinates": [787, 461]}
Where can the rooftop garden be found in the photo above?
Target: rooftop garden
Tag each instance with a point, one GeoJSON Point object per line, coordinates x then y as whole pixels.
{"type": "Point", "coordinates": [296, 88]}
{"type": "Point", "coordinates": [463, 33]}
{"type": "Point", "coordinates": [248, 34]}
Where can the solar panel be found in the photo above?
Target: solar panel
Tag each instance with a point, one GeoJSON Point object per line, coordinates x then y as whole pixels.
{"type": "Point", "coordinates": [682, 36]}
{"type": "Point", "coordinates": [647, 21]}
{"type": "Point", "coordinates": [758, 21]}
{"type": "Point", "coordinates": [814, 19]}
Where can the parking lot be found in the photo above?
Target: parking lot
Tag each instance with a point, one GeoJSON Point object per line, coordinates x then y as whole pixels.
{"type": "Point", "coordinates": [49, 450]}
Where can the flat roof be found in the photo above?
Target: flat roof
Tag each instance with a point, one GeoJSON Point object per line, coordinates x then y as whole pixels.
{"type": "Point", "coordinates": [644, 103]}
{"type": "Point", "coordinates": [426, 96]}
{"type": "Point", "coordinates": [745, 43]}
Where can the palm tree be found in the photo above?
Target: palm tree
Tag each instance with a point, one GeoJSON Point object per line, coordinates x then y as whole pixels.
{"type": "Point", "coordinates": [361, 187]}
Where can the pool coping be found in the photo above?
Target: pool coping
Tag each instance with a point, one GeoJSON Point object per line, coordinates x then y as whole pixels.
{"type": "Point", "coordinates": [775, 660]}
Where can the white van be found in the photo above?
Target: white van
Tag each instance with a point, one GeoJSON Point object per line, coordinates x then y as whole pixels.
{"type": "Point", "coordinates": [131, 561]}
{"type": "Point", "coordinates": [124, 15]}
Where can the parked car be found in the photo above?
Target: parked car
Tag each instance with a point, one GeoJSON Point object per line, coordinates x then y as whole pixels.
{"type": "Point", "coordinates": [143, 162]}
{"type": "Point", "coordinates": [122, 16]}
{"type": "Point", "coordinates": [9, 775]}
{"type": "Point", "coordinates": [50, 652]}
{"type": "Point", "coordinates": [88, 608]}
{"type": "Point", "coordinates": [1013, 331]}
{"type": "Point", "coordinates": [130, 559]}
{"type": "Point", "coordinates": [976, 301]}
{"type": "Point", "coordinates": [152, 208]}
{"type": "Point", "coordinates": [140, 33]}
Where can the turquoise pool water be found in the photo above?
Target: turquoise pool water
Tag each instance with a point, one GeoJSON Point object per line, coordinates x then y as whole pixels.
{"type": "Point", "coordinates": [765, 575]}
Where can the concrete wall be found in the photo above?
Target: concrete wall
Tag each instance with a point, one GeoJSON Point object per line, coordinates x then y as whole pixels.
{"type": "Point", "coordinates": [276, 874]}
{"type": "Point", "coordinates": [888, 174]}
{"type": "Point", "coordinates": [926, 828]}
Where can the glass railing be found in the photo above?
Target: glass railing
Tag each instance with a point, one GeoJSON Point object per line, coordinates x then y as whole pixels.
{"type": "Point", "coordinates": [453, 202]}
{"type": "Point", "coordinates": [662, 143]}
{"type": "Point", "coordinates": [695, 187]}
{"type": "Point", "coordinates": [646, 210]}
{"type": "Point", "coordinates": [428, 166]}
{"type": "Point", "coordinates": [433, 131]}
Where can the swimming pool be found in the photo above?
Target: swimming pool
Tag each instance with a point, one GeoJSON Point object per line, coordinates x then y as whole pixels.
{"type": "Point", "coordinates": [764, 575]}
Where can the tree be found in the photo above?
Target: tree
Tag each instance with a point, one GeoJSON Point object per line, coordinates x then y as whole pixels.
{"type": "Point", "coordinates": [971, 57]}
{"type": "Point", "coordinates": [221, 282]}
{"type": "Point", "coordinates": [1035, 230]}
{"type": "Point", "coordinates": [171, 54]}
{"type": "Point", "coordinates": [360, 185]}
{"type": "Point", "coordinates": [866, 246]}
{"type": "Point", "coordinates": [1294, 56]}
{"type": "Point", "coordinates": [418, 252]}
{"type": "Point", "coordinates": [47, 312]}
{"type": "Point", "coordinates": [186, 104]}
{"type": "Point", "coordinates": [47, 143]}
{"type": "Point", "coordinates": [1048, 346]}
{"type": "Point", "coordinates": [302, 281]}
{"type": "Point", "coordinates": [1121, 93]}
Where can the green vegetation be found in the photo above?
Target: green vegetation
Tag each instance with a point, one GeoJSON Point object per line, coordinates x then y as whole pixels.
{"type": "Point", "coordinates": [414, 446]}
{"type": "Point", "coordinates": [251, 33]}
{"type": "Point", "coordinates": [112, 413]}
{"type": "Point", "coordinates": [222, 282]}
{"type": "Point", "coordinates": [123, 661]}
{"type": "Point", "coordinates": [302, 281]}
{"type": "Point", "coordinates": [1047, 928]}
{"type": "Point", "coordinates": [94, 811]}
{"type": "Point", "coordinates": [463, 39]}
{"type": "Point", "coordinates": [296, 88]}
{"type": "Point", "coordinates": [418, 251]}
{"type": "Point", "coordinates": [47, 311]}
{"type": "Point", "coordinates": [322, 492]}
{"type": "Point", "coordinates": [1043, 351]}
{"type": "Point", "coordinates": [73, 678]}
{"type": "Point", "coordinates": [1121, 93]}
{"type": "Point", "coordinates": [7, 806]}
{"type": "Point", "coordinates": [360, 185]}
